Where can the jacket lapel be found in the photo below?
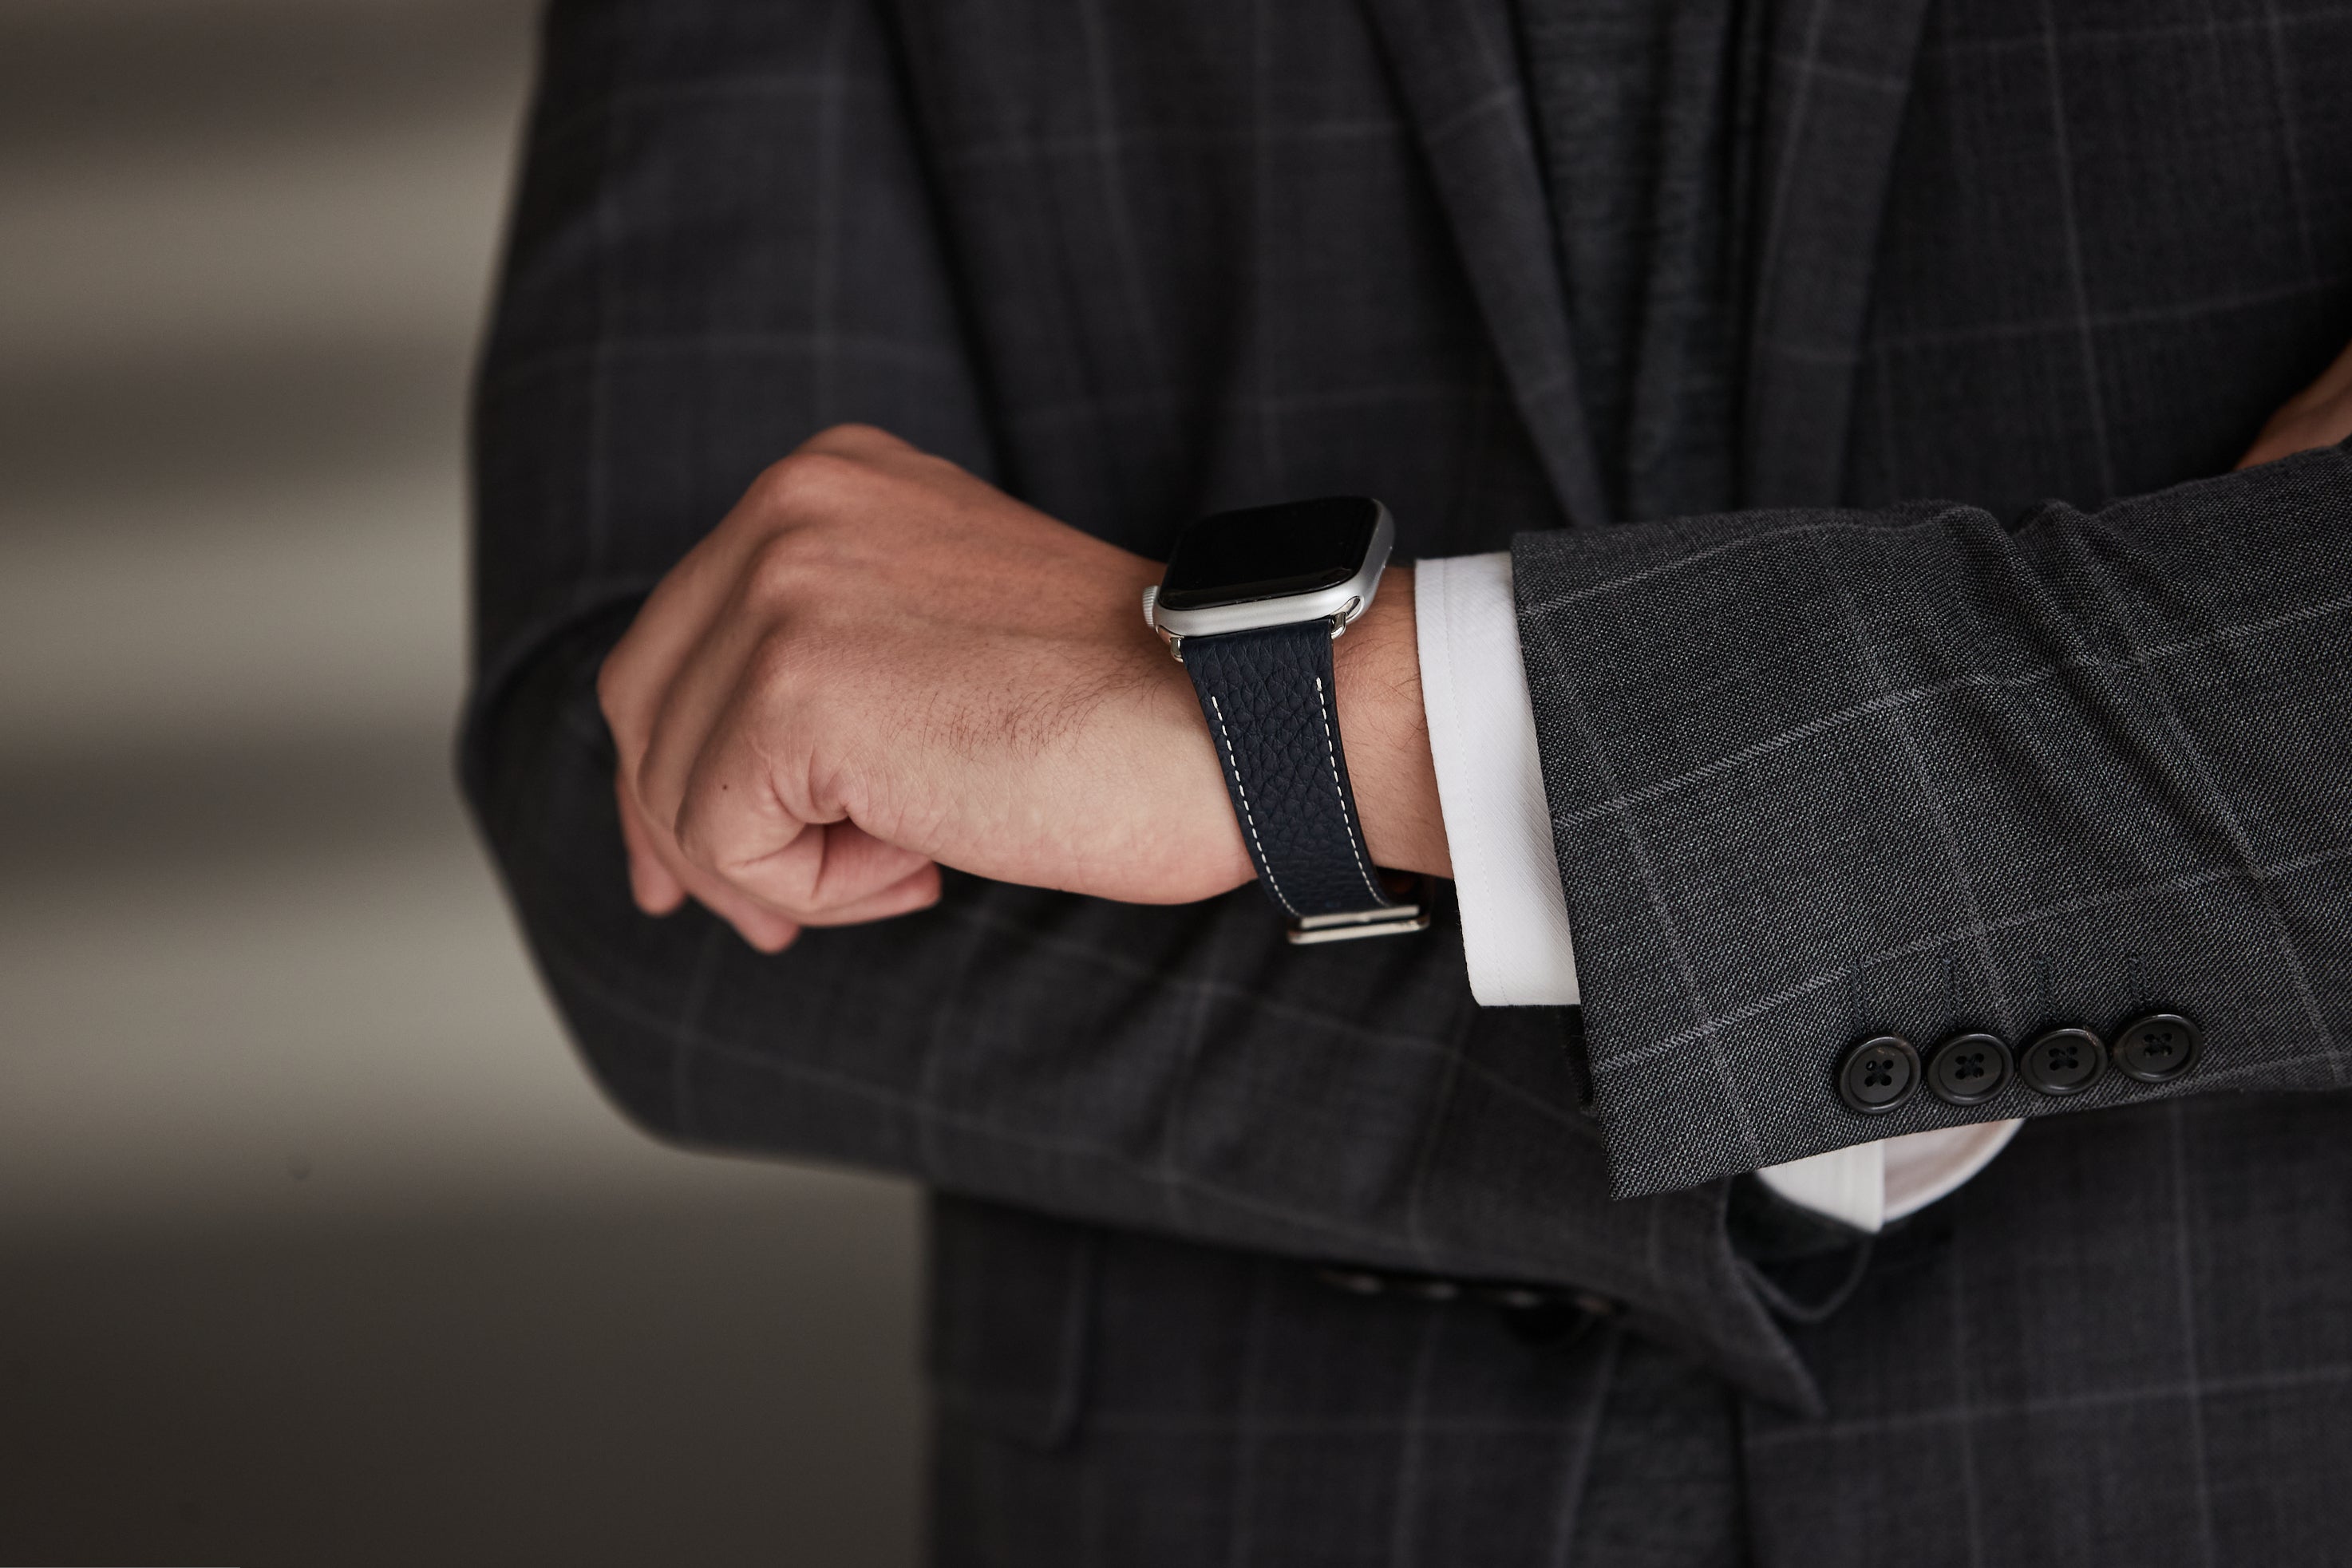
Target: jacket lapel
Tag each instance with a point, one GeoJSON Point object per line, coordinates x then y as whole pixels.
{"type": "Point", "coordinates": [1837, 78]}
{"type": "Point", "coordinates": [1458, 62]}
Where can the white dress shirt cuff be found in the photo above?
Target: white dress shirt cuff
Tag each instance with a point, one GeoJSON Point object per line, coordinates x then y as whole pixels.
{"type": "Point", "coordinates": [1490, 788]}
{"type": "Point", "coordinates": [1871, 1185]}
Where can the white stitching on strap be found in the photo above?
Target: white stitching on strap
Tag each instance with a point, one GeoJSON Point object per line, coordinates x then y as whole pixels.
{"type": "Point", "coordinates": [1338, 786]}
{"type": "Point", "coordinates": [1234, 764]}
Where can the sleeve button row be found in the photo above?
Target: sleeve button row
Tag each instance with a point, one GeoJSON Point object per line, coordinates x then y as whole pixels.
{"type": "Point", "coordinates": [1880, 1075]}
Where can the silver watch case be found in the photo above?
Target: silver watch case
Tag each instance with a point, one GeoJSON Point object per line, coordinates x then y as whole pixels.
{"type": "Point", "coordinates": [1338, 605]}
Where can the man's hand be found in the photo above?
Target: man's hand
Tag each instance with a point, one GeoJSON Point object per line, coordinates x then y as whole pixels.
{"type": "Point", "coordinates": [879, 664]}
{"type": "Point", "coordinates": [2319, 415]}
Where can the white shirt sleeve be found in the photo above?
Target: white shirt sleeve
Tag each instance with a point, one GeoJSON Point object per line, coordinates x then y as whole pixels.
{"type": "Point", "coordinates": [1515, 934]}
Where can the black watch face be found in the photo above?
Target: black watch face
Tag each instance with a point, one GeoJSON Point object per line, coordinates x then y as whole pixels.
{"type": "Point", "coordinates": [1270, 552]}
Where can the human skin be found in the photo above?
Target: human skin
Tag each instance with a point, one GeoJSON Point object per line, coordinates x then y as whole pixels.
{"type": "Point", "coordinates": [2319, 415]}
{"type": "Point", "coordinates": [879, 664]}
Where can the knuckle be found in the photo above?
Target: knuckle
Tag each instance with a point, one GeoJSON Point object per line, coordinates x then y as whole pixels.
{"type": "Point", "coordinates": [851, 434]}
{"type": "Point", "coordinates": [806, 663]}
{"type": "Point", "coordinates": [802, 568]}
{"type": "Point", "coordinates": [782, 560]}
{"type": "Point", "coordinates": [703, 835]}
{"type": "Point", "coordinates": [775, 665]}
{"type": "Point", "coordinates": [807, 480]}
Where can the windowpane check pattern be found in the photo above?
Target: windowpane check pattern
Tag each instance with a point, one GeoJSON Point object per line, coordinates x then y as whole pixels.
{"type": "Point", "coordinates": [1901, 753]}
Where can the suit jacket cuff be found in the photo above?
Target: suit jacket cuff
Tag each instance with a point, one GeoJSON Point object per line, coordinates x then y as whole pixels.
{"type": "Point", "coordinates": [1515, 930]}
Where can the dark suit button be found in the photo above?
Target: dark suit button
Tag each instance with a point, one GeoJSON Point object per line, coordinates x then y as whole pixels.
{"type": "Point", "coordinates": [1878, 1074]}
{"type": "Point", "coordinates": [2158, 1048]}
{"type": "Point", "coordinates": [1969, 1069]}
{"type": "Point", "coordinates": [2064, 1062]}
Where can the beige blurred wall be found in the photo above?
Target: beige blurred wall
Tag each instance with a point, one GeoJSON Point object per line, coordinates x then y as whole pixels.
{"type": "Point", "coordinates": [315, 1245]}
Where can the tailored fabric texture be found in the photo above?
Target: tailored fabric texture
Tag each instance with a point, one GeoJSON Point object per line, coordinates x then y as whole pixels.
{"type": "Point", "coordinates": [1979, 763]}
{"type": "Point", "coordinates": [1243, 1391]}
{"type": "Point", "coordinates": [2087, 770]}
{"type": "Point", "coordinates": [1643, 112]}
{"type": "Point", "coordinates": [1515, 944]}
{"type": "Point", "coordinates": [1138, 263]}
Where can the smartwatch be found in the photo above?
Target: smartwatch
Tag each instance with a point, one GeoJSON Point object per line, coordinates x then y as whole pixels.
{"type": "Point", "coordinates": [1251, 604]}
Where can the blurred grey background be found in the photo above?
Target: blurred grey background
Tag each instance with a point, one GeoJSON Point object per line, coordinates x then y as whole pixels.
{"type": "Point", "coordinates": [316, 1246]}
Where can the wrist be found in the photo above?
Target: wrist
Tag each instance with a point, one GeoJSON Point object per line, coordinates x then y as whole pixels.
{"type": "Point", "coordinates": [1383, 725]}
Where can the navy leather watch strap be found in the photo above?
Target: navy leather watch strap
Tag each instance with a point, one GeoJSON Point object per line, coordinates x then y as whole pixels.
{"type": "Point", "coordinates": [1267, 696]}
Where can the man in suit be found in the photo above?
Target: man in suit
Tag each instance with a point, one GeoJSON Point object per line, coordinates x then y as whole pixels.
{"type": "Point", "coordinates": [1705, 1184]}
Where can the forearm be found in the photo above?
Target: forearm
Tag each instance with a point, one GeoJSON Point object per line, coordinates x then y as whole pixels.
{"type": "Point", "coordinates": [1173, 1069]}
{"type": "Point", "coordinates": [1947, 777]}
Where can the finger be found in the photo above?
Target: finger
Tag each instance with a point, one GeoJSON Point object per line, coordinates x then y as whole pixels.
{"type": "Point", "coordinates": [710, 688]}
{"type": "Point", "coordinates": [829, 870]}
{"type": "Point", "coordinates": [762, 928]}
{"type": "Point", "coordinates": [733, 823]}
{"type": "Point", "coordinates": [717, 576]}
{"type": "Point", "coordinates": [768, 930]}
{"type": "Point", "coordinates": [657, 890]}
{"type": "Point", "coordinates": [919, 891]}
{"type": "Point", "coordinates": [711, 575]}
{"type": "Point", "coordinates": [676, 619]}
{"type": "Point", "coordinates": [639, 670]}
{"type": "Point", "coordinates": [707, 787]}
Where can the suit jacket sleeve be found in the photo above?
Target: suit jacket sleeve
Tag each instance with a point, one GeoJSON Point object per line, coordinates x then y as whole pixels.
{"type": "Point", "coordinates": [1816, 776]}
{"type": "Point", "coordinates": [723, 243]}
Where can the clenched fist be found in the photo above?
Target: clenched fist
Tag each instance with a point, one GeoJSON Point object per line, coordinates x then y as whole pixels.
{"type": "Point", "coordinates": [879, 664]}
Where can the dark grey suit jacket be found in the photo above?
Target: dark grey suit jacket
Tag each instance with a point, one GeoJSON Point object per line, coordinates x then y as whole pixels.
{"type": "Point", "coordinates": [1813, 773]}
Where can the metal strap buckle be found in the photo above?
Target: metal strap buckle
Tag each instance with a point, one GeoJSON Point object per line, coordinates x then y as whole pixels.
{"type": "Point", "coordinates": [1407, 914]}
